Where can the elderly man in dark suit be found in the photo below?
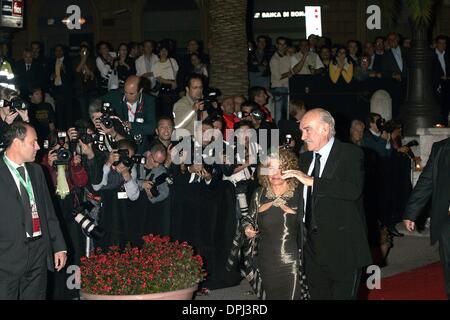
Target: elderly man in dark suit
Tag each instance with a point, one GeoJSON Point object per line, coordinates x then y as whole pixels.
{"type": "Point", "coordinates": [30, 235]}
{"type": "Point", "coordinates": [393, 66]}
{"type": "Point", "coordinates": [434, 184]}
{"type": "Point", "coordinates": [332, 173]}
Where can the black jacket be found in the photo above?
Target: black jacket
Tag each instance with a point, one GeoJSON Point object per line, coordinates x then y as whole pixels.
{"type": "Point", "coordinates": [13, 250]}
{"type": "Point", "coordinates": [434, 184]}
{"type": "Point", "coordinates": [437, 72]}
{"type": "Point", "coordinates": [338, 209]}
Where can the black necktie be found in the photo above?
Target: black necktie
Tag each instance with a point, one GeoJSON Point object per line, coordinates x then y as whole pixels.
{"type": "Point", "coordinates": [26, 203]}
{"type": "Point", "coordinates": [315, 174]}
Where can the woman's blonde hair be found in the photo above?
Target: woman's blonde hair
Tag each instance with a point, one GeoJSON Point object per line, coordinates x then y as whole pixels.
{"type": "Point", "coordinates": [288, 161]}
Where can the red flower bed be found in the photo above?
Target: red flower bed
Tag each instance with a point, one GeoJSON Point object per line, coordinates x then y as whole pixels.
{"type": "Point", "coordinates": [159, 266]}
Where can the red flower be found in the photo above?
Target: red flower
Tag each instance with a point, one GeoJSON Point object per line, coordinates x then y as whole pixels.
{"type": "Point", "coordinates": [160, 265]}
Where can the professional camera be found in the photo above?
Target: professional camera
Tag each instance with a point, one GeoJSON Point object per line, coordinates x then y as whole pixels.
{"type": "Point", "coordinates": [63, 155]}
{"type": "Point", "coordinates": [211, 95]}
{"type": "Point", "coordinates": [287, 141]}
{"type": "Point", "coordinates": [14, 104]}
{"type": "Point", "coordinates": [81, 216]}
{"type": "Point", "coordinates": [159, 181]}
{"type": "Point", "coordinates": [412, 143]}
{"type": "Point", "coordinates": [127, 160]}
{"type": "Point", "coordinates": [107, 111]}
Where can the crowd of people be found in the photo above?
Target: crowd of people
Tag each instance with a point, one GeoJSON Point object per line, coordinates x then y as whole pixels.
{"type": "Point", "coordinates": [125, 138]}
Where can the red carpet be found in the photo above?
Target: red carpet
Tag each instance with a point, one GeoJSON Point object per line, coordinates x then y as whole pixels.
{"type": "Point", "coordinates": [425, 283]}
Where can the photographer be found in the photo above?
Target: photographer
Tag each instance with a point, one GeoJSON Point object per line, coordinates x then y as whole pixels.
{"type": "Point", "coordinates": [136, 110]}
{"type": "Point", "coordinates": [8, 112]}
{"type": "Point", "coordinates": [190, 108]}
{"type": "Point", "coordinates": [376, 137]}
{"type": "Point", "coordinates": [67, 178]}
{"type": "Point", "coordinates": [118, 189]}
{"type": "Point", "coordinates": [153, 179]}
{"type": "Point", "coordinates": [397, 175]}
{"type": "Point", "coordinates": [41, 113]}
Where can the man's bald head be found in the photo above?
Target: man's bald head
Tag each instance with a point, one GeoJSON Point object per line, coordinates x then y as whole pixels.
{"type": "Point", "coordinates": [132, 88]}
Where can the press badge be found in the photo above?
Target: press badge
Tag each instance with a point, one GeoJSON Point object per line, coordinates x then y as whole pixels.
{"type": "Point", "coordinates": [140, 120]}
{"type": "Point", "coordinates": [122, 195]}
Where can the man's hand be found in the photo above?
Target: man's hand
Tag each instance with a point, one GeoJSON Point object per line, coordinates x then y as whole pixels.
{"type": "Point", "coordinates": [113, 157]}
{"type": "Point", "coordinates": [24, 115]}
{"type": "Point", "coordinates": [87, 150]}
{"type": "Point", "coordinates": [72, 134]}
{"type": "Point", "coordinates": [300, 176]}
{"type": "Point", "coordinates": [386, 136]}
{"type": "Point", "coordinates": [124, 171]}
{"type": "Point", "coordinates": [60, 260]}
{"type": "Point", "coordinates": [410, 225]}
{"type": "Point", "coordinates": [403, 149]}
{"type": "Point", "coordinates": [199, 105]}
{"type": "Point", "coordinates": [397, 77]}
{"type": "Point", "coordinates": [127, 124]}
{"type": "Point", "coordinates": [147, 186]}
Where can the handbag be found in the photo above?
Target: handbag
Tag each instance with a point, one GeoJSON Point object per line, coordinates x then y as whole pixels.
{"type": "Point", "coordinates": [113, 81]}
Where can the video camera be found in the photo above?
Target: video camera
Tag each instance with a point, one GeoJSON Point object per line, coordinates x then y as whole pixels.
{"type": "Point", "coordinates": [210, 95]}
{"type": "Point", "coordinates": [81, 216]}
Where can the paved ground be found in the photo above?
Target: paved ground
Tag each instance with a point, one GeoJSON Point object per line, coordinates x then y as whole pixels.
{"type": "Point", "coordinates": [409, 252]}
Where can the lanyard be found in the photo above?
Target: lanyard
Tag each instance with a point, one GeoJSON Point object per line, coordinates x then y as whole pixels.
{"type": "Point", "coordinates": [27, 184]}
{"type": "Point", "coordinates": [138, 109]}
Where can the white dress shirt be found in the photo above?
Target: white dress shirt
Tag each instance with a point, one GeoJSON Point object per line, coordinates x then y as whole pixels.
{"type": "Point", "coordinates": [325, 153]}
{"type": "Point", "coordinates": [442, 61]}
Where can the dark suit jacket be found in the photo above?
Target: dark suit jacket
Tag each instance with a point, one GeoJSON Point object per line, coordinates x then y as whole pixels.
{"type": "Point", "coordinates": [67, 74]}
{"type": "Point", "coordinates": [26, 80]}
{"type": "Point", "coordinates": [389, 65]}
{"type": "Point", "coordinates": [13, 250]}
{"type": "Point", "coordinates": [437, 72]}
{"type": "Point", "coordinates": [115, 97]}
{"type": "Point", "coordinates": [341, 241]}
{"type": "Point", "coordinates": [434, 184]}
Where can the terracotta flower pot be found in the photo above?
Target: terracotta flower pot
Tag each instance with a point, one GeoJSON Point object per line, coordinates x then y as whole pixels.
{"type": "Point", "coordinates": [184, 294]}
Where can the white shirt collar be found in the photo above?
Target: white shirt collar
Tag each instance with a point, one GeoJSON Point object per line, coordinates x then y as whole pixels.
{"type": "Point", "coordinates": [326, 149]}
{"type": "Point", "coordinates": [13, 164]}
{"type": "Point", "coordinates": [375, 133]}
{"type": "Point", "coordinates": [439, 53]}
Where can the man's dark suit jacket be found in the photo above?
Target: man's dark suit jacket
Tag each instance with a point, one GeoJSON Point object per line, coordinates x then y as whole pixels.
{"type": "Point", "coordinates": [437, 72]}
{"type": "Point", "coordinates": [389, 65]}
{"type": "Point", "coordinates": [26, 80]}
{"type": "Point", "coordinates": [67, 74]}
{"type": "Point", "coordinates": [13, 250]}
{"type": "Point", "coordinates": [434, 183]}
{"type": "Point", "coordinates": [338, 209]}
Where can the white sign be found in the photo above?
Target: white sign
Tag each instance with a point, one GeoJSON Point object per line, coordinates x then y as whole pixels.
{"type": "Point", "coordinates": [374, 20]}
{"type": "Point", "coordinates": [279, 14]}
{"type": "Point", "coordinates": [73, 21]}
{"type": "Point", "coordinates": [313, 17]}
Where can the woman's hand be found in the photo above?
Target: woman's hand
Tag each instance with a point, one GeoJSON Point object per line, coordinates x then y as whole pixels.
{"type": "Point", "coordinates": [51, 157]}
{"type": "Point", "coordinates": [250, 232]}
{"type": "Point", "coordinates": [76, 159]}
{"type": "Point", "coordinates": [11, 117]}
{"type": "Point", "coordinates": [300, 176]}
